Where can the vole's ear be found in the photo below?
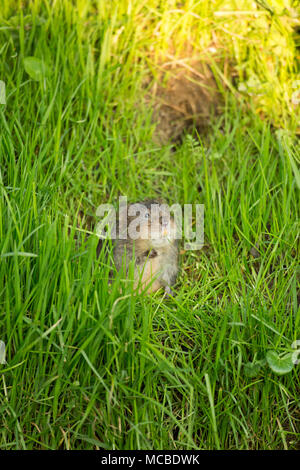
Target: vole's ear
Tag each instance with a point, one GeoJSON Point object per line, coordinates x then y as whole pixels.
{"type": "Point", "coordinates": [157, 200]}
{"type": "Point", "coordinates": [160, 201]}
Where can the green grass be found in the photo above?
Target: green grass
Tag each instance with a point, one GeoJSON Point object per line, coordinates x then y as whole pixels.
{"type": "Point", "coordinates": [91, 365]}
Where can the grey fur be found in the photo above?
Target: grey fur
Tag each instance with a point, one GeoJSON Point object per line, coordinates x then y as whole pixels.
{"type": "Point", "coordinates": [141, 251]}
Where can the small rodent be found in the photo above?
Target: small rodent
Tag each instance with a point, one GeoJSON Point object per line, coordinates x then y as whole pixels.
{"type": "Point", "coordinates": [154, 246]}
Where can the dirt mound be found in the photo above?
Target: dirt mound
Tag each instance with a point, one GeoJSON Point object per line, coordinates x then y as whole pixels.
{"type": "Point", "coordinates": [185, 98]}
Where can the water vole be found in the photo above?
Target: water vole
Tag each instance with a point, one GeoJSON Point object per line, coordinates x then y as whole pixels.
{"type": "Point", "coordinates": [146, 234]}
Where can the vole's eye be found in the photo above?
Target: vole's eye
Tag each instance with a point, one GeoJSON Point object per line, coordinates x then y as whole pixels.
{"type": "Point", "coordinates": [147, 215]}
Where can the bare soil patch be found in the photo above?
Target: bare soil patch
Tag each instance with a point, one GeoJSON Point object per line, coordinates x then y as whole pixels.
{"type": "Point", "coordinates": [186, 97]}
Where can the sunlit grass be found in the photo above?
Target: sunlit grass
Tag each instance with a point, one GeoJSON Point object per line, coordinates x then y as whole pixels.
{"type": "Point", "coordinates": [90, 365]}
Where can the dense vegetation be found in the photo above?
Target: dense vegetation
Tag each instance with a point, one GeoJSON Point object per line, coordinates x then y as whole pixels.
{"type": "Point", "coordinates": [88, 364]}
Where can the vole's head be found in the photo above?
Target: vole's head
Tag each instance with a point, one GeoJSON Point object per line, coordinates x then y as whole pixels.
{"type": "Point", "coordinates": [151, 222]}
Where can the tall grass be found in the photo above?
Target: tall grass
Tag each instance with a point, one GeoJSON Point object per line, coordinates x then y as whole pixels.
{"type": "Point", "coordinates": [88, 364]}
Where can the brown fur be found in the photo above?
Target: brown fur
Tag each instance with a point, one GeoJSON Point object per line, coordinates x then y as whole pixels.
{"type": "Point", "coordinates": [155, 257]}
